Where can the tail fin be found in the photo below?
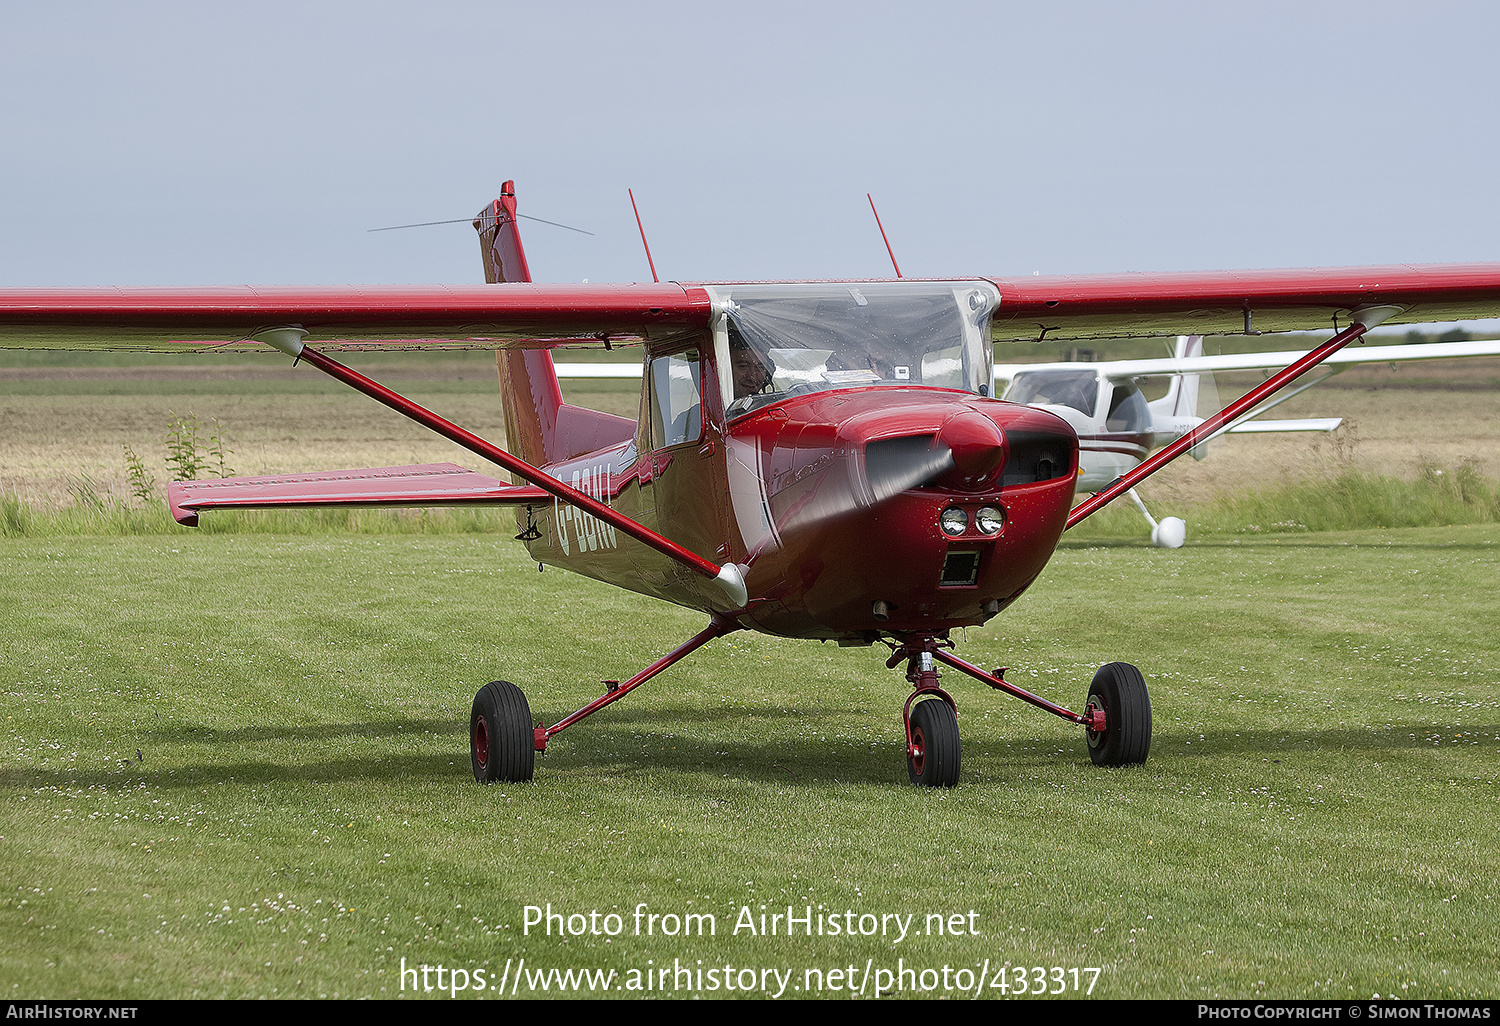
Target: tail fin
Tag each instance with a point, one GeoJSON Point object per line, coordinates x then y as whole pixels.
{"type": "Point", "coordinates": [1189, 400]}
{"type": "Point", "coordinates": [1181, 399]}
{"type": "Point", "coordinates": [539, 427]}
{"type": "Point", "coordinates": [500, 239]}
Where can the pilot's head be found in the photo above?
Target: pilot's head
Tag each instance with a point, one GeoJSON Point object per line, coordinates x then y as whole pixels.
{"type": "Point", "coordinates": [751, 375]}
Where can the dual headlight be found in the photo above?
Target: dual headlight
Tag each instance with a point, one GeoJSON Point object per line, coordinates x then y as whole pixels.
{"type": "Point", "coordinates": [987, 520]}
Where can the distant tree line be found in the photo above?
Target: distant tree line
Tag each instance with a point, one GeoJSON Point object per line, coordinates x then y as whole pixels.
{"type": "Point", "coordinates": [1417, 338]}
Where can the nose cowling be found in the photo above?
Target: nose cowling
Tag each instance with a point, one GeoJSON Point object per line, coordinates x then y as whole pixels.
{"type": "Point", "coordinates": [857, 485]}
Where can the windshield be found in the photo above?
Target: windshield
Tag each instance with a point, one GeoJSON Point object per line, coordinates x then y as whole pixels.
{"type": "Point", "coordinates": [781, 340]}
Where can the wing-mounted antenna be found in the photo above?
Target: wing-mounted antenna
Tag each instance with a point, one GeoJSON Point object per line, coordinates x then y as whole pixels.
{"type": "Point", "coordinates": [882, 235]}
{"type": "Point", "coordinates": [642, 229]}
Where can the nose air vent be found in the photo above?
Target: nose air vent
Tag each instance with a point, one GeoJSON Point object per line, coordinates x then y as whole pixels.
{"type": "Point", "coordinates": [1035, 456]}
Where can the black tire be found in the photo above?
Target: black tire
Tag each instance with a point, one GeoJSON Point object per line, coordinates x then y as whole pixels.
{"type": "Point", "coordinates": [934, 730]}
{"type": "Point", "coordinates": [1120, 690]}
{"type": "Point", "coordinates": [501, 737]}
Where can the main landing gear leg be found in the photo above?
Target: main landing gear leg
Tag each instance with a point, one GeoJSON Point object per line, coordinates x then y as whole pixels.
{"type": "Point", "coordinates": [502, 740]}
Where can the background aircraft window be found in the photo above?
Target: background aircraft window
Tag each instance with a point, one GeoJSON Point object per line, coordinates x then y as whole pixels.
{"type": "Point", "coordinates": [1127, 410]}
{"type": "Point", "coordinates": [944, 368]}
{"type": "Point", "coordinates": [1078, 389]}
{"type": "Point", "coordinates": [676, 402]}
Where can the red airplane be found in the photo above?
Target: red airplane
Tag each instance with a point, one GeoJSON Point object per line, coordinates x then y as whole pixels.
{"type": "Point", "coordinates": [817, 460]}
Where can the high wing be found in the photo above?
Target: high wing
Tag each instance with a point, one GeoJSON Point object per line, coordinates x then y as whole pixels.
{"type": "Point", "coordinates": [513, 315]}
{"type": "Point", "coordinates": [1120, 369]}
{"type": "Point", "coordinates": [1235, 302]}
{"type": "Point", "coordinates": [521, 314]}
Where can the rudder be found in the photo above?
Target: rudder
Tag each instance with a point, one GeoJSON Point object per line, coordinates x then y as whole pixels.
{"type": "Point", "coordinates": [539, 427]}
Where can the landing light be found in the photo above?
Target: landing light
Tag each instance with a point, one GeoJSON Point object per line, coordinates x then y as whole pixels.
{"type": "Point", "coordinates": [954, 521]}
{"type": "Point", "coordinates": [989, 520]}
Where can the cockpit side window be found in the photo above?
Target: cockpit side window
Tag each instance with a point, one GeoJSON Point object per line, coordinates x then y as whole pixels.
{"type": "Point", "coordinates": [676, 399]}
{"type": "Point", "coordinates": [1078, 389]}
{"type": "Point", "coordinates": [1127, 409]}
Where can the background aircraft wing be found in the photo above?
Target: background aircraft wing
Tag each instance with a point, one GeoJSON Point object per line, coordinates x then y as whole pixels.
{"type": "Point", "coordinates": [1263, 361]}
{"type": "Point", "coordinates": [1232, 302]}
{"type": "Point", "coordinates": [598, 370]}
{"type": "Point", "coordinates": [427, 484]}
{"type": "Point", "coordinates": [512, 315]}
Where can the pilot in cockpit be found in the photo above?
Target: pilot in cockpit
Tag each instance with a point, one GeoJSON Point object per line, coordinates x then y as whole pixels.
{"type": "Point", "coordinates": [751, 375]}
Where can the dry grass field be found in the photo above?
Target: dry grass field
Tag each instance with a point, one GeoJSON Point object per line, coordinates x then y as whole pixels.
{"type": "Point", "coordinates": [73, 415]}
{"type": "Point", "coordinates": [66, 417]}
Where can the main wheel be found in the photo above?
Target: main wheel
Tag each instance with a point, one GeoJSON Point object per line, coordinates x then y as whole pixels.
{"type": "Point", "coordinates": [501, 738]}
{"type": "Point", "coordinates": [1120, 690]}
{"type": "Point", "coordinates": [934, 738]}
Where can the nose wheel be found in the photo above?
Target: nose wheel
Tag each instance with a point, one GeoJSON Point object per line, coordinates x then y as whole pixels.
{"type": "Point", "coordinates": [929, 715]}
{"type": "Point", "coordinates": [932, 751]}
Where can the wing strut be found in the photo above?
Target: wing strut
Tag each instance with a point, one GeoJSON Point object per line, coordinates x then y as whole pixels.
{"type": "Point", "coordinates": [289, 341]}
{"type": "Point", "coordinates": [1364, 318]}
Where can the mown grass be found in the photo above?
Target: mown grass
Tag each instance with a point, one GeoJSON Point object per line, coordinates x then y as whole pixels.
{"type": "Point", "coordinates": [236, 765]}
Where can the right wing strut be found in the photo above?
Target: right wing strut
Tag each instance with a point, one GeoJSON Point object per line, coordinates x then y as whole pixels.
{"type": "Point", "coordinates": [1365, 319]}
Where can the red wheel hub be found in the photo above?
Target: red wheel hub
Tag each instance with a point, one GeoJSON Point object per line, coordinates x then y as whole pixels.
{"type": "Point", "coordinates": [481, 742]}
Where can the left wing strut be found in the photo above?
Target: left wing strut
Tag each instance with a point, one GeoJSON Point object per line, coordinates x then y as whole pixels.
{"type": "Point", "coordinates": [728, 576]}
{"type": "Point", "coordinates": [1364, 320]}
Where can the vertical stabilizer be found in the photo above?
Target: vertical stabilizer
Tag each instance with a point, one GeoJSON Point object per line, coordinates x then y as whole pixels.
{"type": "Point", "coordinates": [1190, 399]}
{"type": "Point", "coordinates": [500, 239]}
{"type": "Point", "coordinates": [1181, 399]}
{"type": "Point", "coordinates": [539, 427]}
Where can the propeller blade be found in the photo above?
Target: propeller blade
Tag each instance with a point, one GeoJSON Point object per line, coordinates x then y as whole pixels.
{"type": "Point", "coordinates": [893, 465]}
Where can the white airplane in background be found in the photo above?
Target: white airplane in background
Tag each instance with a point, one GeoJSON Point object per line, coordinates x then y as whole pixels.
{"type": "Point", "coordinates": [1118, 428]}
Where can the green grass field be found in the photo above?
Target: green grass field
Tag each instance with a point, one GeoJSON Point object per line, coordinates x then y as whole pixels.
{"type": "Point", "coordinates": [237, 765]}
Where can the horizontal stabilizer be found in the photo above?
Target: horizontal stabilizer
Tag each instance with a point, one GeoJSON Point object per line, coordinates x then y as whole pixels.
{"type": "Point", "coordinates": [426, 484]}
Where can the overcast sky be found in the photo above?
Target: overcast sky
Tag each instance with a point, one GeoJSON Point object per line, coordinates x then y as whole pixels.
{"type": "Point", "coordinates": [161, 144]}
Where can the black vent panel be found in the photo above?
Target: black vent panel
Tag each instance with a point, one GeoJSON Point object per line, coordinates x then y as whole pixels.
{"type": "Point", "coordinates": [960, 569]}
{"type": "Point", "coordinates": [1036, 456]}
